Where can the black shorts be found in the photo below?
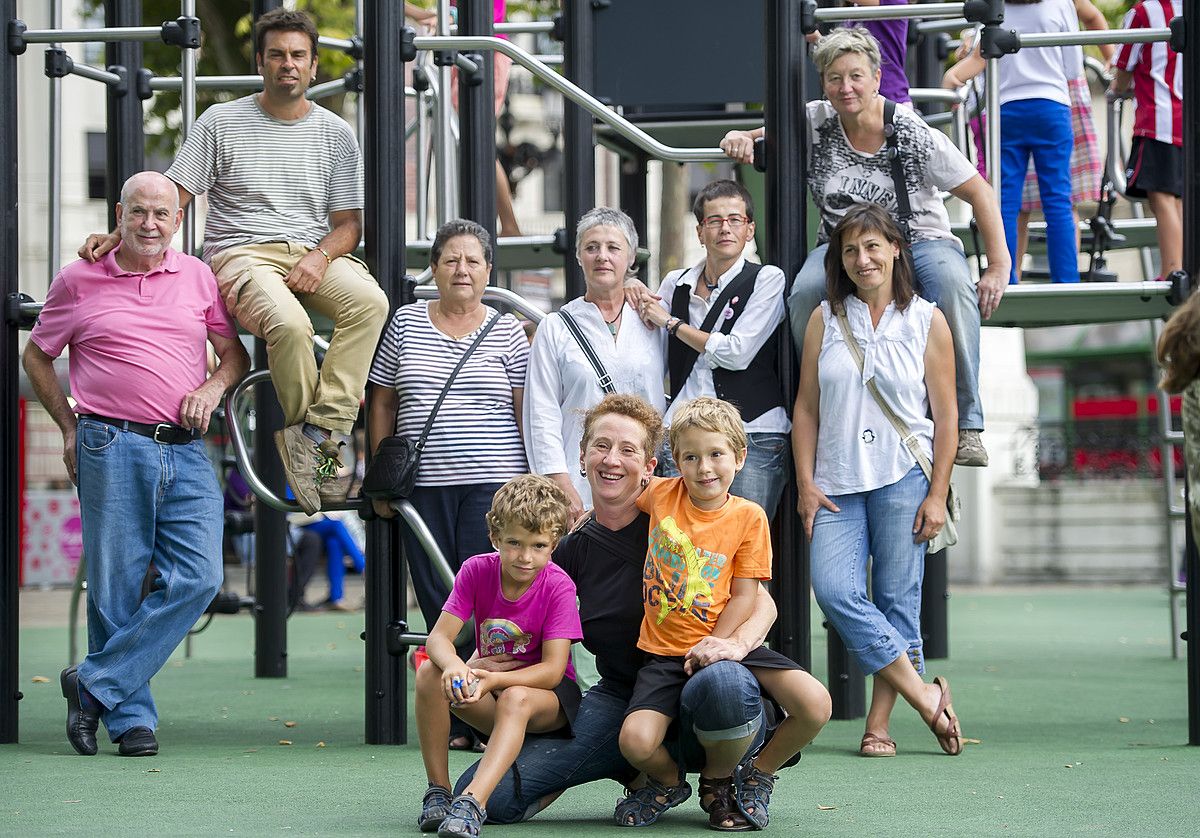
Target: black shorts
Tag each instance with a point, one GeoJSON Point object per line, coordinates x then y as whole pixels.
{"type": "Point", "coordinates": [569, 698]}
{"type": "Point", "coordinates": [1154, 166]}
{"type": "Point", "coordinates": [661, 679]}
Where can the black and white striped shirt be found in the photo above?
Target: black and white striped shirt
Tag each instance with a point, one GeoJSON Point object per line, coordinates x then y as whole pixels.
{"type": "Point", "coordinates": [268, 179]}
{"type": "Point", "coordinates": [474, 438]}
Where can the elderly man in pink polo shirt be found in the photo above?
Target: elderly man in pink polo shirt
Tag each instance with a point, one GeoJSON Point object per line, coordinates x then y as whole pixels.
{"type": "Point", "coordinates": [137, 322]}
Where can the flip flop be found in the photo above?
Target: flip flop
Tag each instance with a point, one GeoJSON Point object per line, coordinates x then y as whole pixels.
{"type": "Point", "coordinates": [881, 746]}
{"type": "Point", "coordinates": [951, 738]}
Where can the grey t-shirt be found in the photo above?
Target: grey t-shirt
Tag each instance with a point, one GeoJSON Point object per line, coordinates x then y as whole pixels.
{"type": "Point", "coordinates": [268, 179]}
{"type": "Point", "coordinates": [841, 176]}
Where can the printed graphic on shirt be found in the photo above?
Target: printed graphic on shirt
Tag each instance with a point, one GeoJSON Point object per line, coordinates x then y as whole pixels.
{"type": "Point", "coordinates": [678, 575]}
{"type": "Point", "coordinates": [503, 637]}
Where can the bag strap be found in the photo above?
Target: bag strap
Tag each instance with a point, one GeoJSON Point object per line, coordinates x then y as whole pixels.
{"type": "Point", "coordinates": [602, 375]}
{"type": "Point", "coordinates": [903, 204]}
{"type": "Point", "coordinates": [909, 438]}
{"type": "Point", "coordinates": [487, 327]}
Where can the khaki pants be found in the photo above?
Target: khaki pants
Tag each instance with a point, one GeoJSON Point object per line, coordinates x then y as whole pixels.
{"type": "Point", "coordinates": [251, 279]}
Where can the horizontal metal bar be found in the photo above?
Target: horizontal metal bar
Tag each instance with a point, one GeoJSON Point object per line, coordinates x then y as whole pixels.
{"type": "Point", "coordinates": [95, 74]}
{"type": "Point", "coordinates": [938, 94]}
{"type": "Point", "coordinates": [923, 11]}
{"type": "Point", "coordinates": [209, 82]}
{"type": "Point", "coordinates": [577, 95]}
{"type": "Point", "coordinates": [107, 35]}
{"type": "Point", "coordinates": [344, 44]}
{"type": "Point", "coordinates": [326, 88]}
{"type": "Point", "coordinates": [550, 59]}
{"type": "Point", "coordinates": [527, 27]}
{"type": "Point", "coordinates": [501, 242]}
{"type": "Point", "coordinates": [1100, 36]}
{"type": "Point", "coordinates": [1177, 512]}
{"type": "Point", "coordinates": [493, 294]}
{"type": "Point", "coordinates": [952, 24]}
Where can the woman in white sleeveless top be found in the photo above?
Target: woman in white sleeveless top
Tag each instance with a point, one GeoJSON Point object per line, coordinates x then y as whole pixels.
{"type": "Point", "coordinates": [861, 490]}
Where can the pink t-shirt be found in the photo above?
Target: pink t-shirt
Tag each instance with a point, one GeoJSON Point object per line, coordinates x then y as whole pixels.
{"type": "Point", "coordinates": [546, 611]}
{"type": "Point", "coordinates": [137, 340]}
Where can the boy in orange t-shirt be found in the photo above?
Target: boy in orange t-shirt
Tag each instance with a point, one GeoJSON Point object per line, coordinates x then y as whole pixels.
{"type": "Point", "coordinates": [708, 553]}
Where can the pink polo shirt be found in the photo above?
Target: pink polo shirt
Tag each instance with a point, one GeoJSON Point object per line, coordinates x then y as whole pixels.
{"type": "Point", "coordinates": [137, 340]}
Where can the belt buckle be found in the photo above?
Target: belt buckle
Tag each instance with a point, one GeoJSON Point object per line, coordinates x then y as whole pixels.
{"type": "Point", "coordinates": [161, 426]}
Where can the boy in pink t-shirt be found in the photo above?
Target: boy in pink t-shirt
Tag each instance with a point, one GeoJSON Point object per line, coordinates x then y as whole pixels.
{"type": "Point", "coordinates": [524, 607]}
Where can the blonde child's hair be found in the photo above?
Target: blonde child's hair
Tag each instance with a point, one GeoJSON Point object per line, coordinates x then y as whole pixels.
{"type": "Point", "coordinates": [1179, 346]}
{"type": "Point", "coordinates": [631, 407]}
{"type": "Point", "coordinates": [533, 502]}
{"type": "Point", "coordinates": [712, 415]}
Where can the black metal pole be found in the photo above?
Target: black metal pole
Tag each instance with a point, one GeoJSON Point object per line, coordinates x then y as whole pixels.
{"type": "Point", "coordinates": [935, 611]}
{"type": "Point", "coordinates": [270, 525]}
{"type": "Point", "coordinates": [786, 217]}
{"type": "Point", "coordinates": [384, 161]}
{"type": "Point", "coordinates": [477, 124]}
{"type": "Point", "coordinates": [579, 151]}
{"type": "Point", "coordinates": [10, 503]}
{"type": "Point", "coordinates": [847, 687]}
{"type": "Point", "coordinates": [632, 186]}
{"type": "Point", "coordinates": [1191, 266]}
{"type": "Point", "coordinates": [125, 140]}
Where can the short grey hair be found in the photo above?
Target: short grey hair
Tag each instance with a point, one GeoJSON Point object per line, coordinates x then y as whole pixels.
{"type": "Point", "coordinates": [843, 40]}
{"type": "Point", "coordinates": [608, 217]}
{"type": "Point", "coordinates": [454, 228]}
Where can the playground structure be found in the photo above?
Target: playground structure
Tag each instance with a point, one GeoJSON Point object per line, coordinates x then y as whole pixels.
{"type": "Point", "coordinates": [385, 48]}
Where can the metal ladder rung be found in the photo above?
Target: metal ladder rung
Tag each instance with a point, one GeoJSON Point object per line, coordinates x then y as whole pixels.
{"type": "Point", "coordinates": [1177, 512]}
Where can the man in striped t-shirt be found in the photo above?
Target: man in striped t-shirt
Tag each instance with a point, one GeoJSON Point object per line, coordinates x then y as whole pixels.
{"type": "Point", "coordinates": [1155, 172]}
{"type": "Point", "coordinates": [285, 196]}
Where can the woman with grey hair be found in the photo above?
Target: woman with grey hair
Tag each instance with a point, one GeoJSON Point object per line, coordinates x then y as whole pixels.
{"type": "Point", "coordinates": [563, 382]}
{"type": "Point", "coordinates": [474, 444]}
{"type": "Point", "coordinates": [849, 163]}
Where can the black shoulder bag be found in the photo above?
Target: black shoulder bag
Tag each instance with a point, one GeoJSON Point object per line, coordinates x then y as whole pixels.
{"type": "Point", "coordinates": [602, 376]}
{"type": "Point", "coordinates": [393, 469]}
{"type": "Point", "coordinates": [903, 204]}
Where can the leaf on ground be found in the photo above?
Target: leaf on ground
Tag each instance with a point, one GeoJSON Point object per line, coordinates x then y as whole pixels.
{"type": "Point", "coordinates": [320, 744]}
{"type": "Point", "coordinates": [154, 771]}
{"type": "Point", "coordinates": [331, 646]}
{"type": "Point", "coordinates": [251, 751]}
{"type": "Point", "coordinates": [972, 741]}
{"type": "Point", "coordinates": [358, 669]}
{"type": "Point", "coordinates": [272, 718]}
{"type": "Point", "coordinates": [1123, 720]}
{"type": "Point", "coordinates": [341, 625]}
{"type": "Point", "coordinates": [826, 808]}
{"type": "Point", "coordinates": [289, 724]}
{"type": "Point", "coordinates": [72, 801]}
{"type": "Point", "coordinates": [285, 741]}
{"type": "Point", "coordinates": [40, 679]}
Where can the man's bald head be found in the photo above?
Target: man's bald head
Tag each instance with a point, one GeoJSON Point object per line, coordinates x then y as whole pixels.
{"type": "Point", "coordinates": [150, 182]}
{"type": "Point", "coordinates": [148, 215]}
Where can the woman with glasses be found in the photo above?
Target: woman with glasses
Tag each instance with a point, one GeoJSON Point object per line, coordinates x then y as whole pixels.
{"type": "Point", "coordinates": [720, 320]}
{"type": "Point", "coordinates": [860, 147]}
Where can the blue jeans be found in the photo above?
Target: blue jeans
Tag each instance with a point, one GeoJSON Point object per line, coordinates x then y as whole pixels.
{"type": "Point", "coordinates": [942, 277]}
{"type": "Point", "coordinates": [140, 502]}
{"type": "Point", "coordinates": [338, 545]}
{"type": "Point", "coordinates": [1051, 146]}
{"type": "Point", "coordinates": [761, 479]}
{"type": "Point", "coordinates": [879, 629]}
{"type": "Point", "coordinates": [724, 695]}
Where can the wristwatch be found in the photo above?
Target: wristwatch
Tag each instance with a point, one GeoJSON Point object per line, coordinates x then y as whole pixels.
{"type": "Point", "coordinates": [673, 325]}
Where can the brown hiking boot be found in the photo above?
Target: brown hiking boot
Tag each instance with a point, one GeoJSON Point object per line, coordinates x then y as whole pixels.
{"type": "Point", "coordinates": [970, 449]}
{"type": "Point", "coordinates": [308, 465]}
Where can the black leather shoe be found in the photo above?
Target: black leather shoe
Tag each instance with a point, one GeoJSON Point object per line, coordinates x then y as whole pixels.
{"type": "Point", "coordinates": [137, 742]}
{"type": "Point", "coordinates": [81, 723]}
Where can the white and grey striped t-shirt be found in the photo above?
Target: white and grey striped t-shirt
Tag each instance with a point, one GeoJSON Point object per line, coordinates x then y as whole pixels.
{"type": "Point", "coordinates": [474, 438]}
{"type": "Point", "coordinates": [268, 179]}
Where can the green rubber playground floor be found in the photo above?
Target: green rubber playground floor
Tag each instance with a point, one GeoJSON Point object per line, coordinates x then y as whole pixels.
{"type": "Point", "coordinates": [1079, 712]}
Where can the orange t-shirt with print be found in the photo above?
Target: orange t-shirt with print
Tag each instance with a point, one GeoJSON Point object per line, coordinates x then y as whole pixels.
{"type": "Point", "coordinates": [693, 558]}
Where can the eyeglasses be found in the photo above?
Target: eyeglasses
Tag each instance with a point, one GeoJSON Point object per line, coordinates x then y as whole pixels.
{"type": "Point", "coordinates": [735, 222]}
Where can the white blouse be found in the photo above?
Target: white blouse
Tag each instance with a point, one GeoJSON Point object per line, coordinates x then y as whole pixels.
{"type": "Point", "coordinates": [561, 385]}
{"type": "Point", "coordinates": [857, 448]}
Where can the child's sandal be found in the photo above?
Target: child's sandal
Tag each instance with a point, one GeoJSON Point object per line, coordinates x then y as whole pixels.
{"type": "Point", "coordinates": [465, 818]}
{"type": "Point", "coordinates": [753, 797]}
{"type": "Point", "coordinates": [643, 806]}
{"type": "Point", "coordinates": [723, 813]}
{"type": "Point", "coordinates": [435, 806]}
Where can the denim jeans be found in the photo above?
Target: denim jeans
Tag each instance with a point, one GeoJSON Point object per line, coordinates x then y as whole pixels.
{"type": "Point", "coordinates": [943, 278]}
{"type": "Point", "coordinates": [140, 502]}
{"type": "Point", "coordinates": [1051, 146]}
{"type": "Point", "coordinates": [724, 695]}
{"type": "Point", "coordinates": [761, 479]}
{"type": "Point", "coordinates": [879, 629]}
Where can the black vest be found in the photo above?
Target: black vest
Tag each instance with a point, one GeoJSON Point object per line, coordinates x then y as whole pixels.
{"type": "Point", "coordinates": [754, 390]}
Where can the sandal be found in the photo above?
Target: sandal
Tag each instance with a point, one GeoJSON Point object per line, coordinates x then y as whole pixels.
{"type": "Point", "coordinates": [643, 806]}
{"type": "Point", "coordinates": [951, 738]}
{"type": "Point", "coordinates": [754, 789]}
{"type": "Point", "coordinates": [723, 813]}
{"type": "Point", "coordinates": [435, 806]}
{"type": "Point", "coordinates": [880, 746]}
{"type": "Point", "coordinates": [461, 742]}
{"type": "Point", "coordinates": [465, 818]}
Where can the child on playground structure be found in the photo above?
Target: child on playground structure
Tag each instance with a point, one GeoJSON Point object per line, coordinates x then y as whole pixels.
{"type": "Point", "coordinates": [523, 607]}
{"type": "Point", "coordinates": [708, 553]}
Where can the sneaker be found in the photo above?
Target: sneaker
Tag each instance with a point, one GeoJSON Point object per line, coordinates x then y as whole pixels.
{"type": "Point", "coordinates": [334, 486]}
{"type": "Point", "coordinates": [308, 465]}
{"type": "Point", "coordinates": [970, 449]}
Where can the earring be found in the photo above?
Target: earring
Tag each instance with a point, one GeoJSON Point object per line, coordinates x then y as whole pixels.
{"type": "Point", "coordinates": [582, 470]}
{"type": "Point", "coordinates": [645, 482]}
